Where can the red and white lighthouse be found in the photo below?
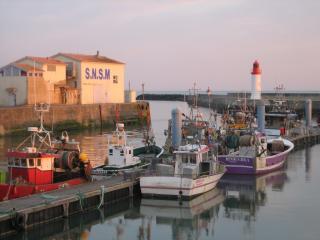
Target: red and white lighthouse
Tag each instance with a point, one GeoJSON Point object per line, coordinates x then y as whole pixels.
{"type": "Point", "coordinates": [256, 81]}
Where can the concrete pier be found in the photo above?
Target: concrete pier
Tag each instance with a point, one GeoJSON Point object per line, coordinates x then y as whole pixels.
{"type": "Point", "coordinates": [27, 212]}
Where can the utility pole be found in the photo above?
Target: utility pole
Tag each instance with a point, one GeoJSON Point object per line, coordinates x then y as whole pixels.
{"type": "Point", "coordinates": [142, 91]}
{"type": "Point", "coordinates": [209, 93]}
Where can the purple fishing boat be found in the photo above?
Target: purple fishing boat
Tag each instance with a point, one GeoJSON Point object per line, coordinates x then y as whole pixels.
{"type": "Point", "coordinates": [257, 155]}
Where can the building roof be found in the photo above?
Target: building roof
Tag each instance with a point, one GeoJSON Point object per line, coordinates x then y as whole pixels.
{"type": "Point", "coordinates": [89, 58]}
{"type": "Point", "coordinates": [27, 67]}
{"type": "Point", "coordinates": [45, 60]}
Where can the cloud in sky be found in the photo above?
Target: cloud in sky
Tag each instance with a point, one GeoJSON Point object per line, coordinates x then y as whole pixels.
{"type": "Point", "coordinates": [170, 44]}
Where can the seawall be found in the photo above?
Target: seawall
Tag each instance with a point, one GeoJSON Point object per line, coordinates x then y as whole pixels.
{"type": "Point", "coordinates": [17, 119]}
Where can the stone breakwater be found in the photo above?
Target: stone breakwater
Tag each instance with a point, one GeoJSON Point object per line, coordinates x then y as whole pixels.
{"type": "Point", "coordinates": [17, 119]}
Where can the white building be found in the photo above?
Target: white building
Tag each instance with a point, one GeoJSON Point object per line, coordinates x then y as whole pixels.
{"type": "Point", "coordinates": [99, 79]}
{"type": "Point", "coordinates": [31, 80]}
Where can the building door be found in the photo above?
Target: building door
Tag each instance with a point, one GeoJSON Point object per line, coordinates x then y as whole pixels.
{"type": "Point", "coordinates": [99, 94]}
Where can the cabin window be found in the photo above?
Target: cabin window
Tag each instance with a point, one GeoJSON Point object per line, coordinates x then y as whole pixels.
{"type": "Point", "coordinates": [17, 162]}
{"type": "Point", "coordinates": [111, 152]}
{"type": "Point", "coordinates": [11, 161]}
{"type": "Point", "coordinates": [31, 162]}
{"type": "Point", "coordinates": [23, 162]}
{"type": "Point", "coordinates": [121, 153]}
{"type": "Point", "coordinates": [184, 158]}
{"type": "Point", "coordinates": [205, 157]}
{"type": "Point", "coordinates": [39, 162]}
{"type": "Point", "coordinates": [193, 158]}
{"type": "Point", "coordinates": [130, 151]}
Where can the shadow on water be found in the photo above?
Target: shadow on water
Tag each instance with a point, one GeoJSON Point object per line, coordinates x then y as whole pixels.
{"type": "Point", "coordinates": [245, 194]}
{"type": "Point", "coordinates": [79, 226]}
{"type": "Point", "coordinates": [186, 219]}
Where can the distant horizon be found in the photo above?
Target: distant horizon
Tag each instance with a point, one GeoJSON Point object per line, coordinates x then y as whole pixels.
{"type": "Point", "coordinates": [170, 44]}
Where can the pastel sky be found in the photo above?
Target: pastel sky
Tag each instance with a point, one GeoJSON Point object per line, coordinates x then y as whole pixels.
{"type": "Point", "coordinates": [169, 44]}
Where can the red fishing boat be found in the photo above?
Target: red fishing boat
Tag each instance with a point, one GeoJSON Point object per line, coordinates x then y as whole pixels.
{"type": "Point", "coordinates": [45, 164]}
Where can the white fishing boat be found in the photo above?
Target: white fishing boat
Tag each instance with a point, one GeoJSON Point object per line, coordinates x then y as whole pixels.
{"type": "Point", "coordinates": [194, 171]}
{"type": "Point", "coordinates": [122, 156]}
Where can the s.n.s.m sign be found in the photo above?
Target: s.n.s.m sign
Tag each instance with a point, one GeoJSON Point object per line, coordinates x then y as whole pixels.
{"type": "Point", "coordinates": [97, 73]}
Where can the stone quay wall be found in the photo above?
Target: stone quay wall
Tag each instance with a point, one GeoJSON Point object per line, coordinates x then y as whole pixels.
{"type": "Point", "coordinates": [17, 119]}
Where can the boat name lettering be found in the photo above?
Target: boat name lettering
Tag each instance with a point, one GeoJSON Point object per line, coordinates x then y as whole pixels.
{"type": "Point", "coordinates": [238, 159]}
{"type": "Point", "coordinates": [97, 73]}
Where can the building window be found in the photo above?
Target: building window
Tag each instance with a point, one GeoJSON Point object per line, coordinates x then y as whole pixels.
{"type": "Point", "coordinates": [23, 73]}
{"type": "Point", "coordinates": [40, 74]}
{"type": "Point", "coordinates": [39, 162]}
{"type": "Point", "coordinates": [1, 73]}
{"type": "Point", "coordinates": [36, 74]}
{"type": "Point", "coordinates": [115, 79]}
{"type": "Point", "coordinates": [51, 68]}
{"type": "Point", "coordinates": [110, 152]}
{"type": "Point", "coordinates": [30, 74]}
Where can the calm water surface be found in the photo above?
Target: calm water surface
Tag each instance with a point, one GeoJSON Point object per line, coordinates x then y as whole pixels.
{"type": "Point", "coordinates": [280, 205]}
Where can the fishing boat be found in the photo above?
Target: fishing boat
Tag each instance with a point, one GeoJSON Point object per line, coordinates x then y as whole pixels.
{"type": "Point", "coordinates": [192, 172]}
{"type": "Point", "coordinates": [256, 154]}
{"type": "Point", "coordinates": [280, 118]}
{"type": "Point", "coordinates": [122, 156]}
{"type": "Point", "coordinates": [44, 163]}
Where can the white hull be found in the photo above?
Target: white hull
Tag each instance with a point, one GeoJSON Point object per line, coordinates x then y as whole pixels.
{"type": "Point", "coordinates": [174, 187]}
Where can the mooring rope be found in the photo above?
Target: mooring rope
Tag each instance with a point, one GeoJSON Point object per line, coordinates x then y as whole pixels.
{"type": "Point", "coordinates": [81, 200]}
{"type": "Point", "coordinates": [101, 197]}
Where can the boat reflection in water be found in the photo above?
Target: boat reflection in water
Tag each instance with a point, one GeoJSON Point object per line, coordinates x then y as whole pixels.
{"type": "Point", "coordinates": [188, 219]}
{"type": "Point", "coordinates": [246, 193]}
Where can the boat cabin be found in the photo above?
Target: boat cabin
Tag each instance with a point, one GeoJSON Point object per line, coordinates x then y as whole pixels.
{"type": "Point", "coordinates": [31, 167]}
{"type": "Point", "coordinates": [119, 153]}
{"type": "Point", "coordinates": [192, 160]}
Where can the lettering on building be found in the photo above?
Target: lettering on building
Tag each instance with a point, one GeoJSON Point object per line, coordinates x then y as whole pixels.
{"type": "Point", "coordinates": [97, 73]}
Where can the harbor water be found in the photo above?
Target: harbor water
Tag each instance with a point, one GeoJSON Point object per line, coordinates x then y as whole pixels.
{"type": "Point", "coordinates": [279, 205]}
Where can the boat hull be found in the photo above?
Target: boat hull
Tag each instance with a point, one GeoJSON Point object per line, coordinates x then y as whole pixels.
{"type": "Point", "coordinates": [177, 187]}
{"type": "Point", "coordinates": [8, 191]}
{"type": "Point", "coordinates": [236, 164]}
